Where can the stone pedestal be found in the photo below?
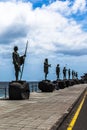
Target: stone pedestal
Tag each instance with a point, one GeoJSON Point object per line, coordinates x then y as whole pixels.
{"type": "Point", "coordinates": [61, 84]}
{"type": "Point", "coordinates": [46, 86]}
{"type": "Point", "coordinates": [19, 90]}
{"type": "Point", "coordinates": [81, 81]}
{"type": "Point", "coordinates": [67, 83]}
{"type": "Point", "coordinates": [76, 81]}
{"type": "Point", "coordinates": [56, 83]}
{"type": "Point", "coordinates": [72, 82]}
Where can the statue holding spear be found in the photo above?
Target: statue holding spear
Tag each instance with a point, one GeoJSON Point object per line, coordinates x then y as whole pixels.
{"type": "Point", "coordinates": [19, 89]}
{"type": "Point", "coordinates": [19, 61]}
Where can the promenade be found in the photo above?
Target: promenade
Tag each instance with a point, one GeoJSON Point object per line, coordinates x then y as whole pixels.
{"type": "Point", "coordinates": [43, 111]}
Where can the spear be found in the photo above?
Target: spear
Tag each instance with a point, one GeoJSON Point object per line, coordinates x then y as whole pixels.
{"type": "Point", "coordinates": [24, 60]}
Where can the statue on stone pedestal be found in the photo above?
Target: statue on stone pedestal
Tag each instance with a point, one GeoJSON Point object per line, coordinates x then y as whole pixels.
{"type": "Point", "coordinates": [46, 66]}
{"type": "Point", "coordinates": [58, 71]}
{"type": "Point", "coordinates": [18, 89]}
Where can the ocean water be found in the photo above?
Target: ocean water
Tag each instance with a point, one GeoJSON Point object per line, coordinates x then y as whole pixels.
{"type": "Point", "coordinates": [33, 86]}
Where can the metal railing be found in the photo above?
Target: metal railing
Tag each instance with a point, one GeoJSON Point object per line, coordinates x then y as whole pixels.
{"type": "Point", "coordinates": [3, 92]}
{"type": "Point", "coordinates": [33, 86]}
{"type": "Point", "coordinates": [4, 88]}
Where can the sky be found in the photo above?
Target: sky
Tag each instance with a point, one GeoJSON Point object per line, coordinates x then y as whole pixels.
{"type": "Point", "coordinates": [55, 29]}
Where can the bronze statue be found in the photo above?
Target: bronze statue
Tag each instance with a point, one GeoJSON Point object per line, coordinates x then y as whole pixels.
{"type": "Point", "coordinates": [76, 75]}
{"type": "Point", "coordinates": [64, 72]}
{"type": "Point", "coordinates": [17, 61]}
{"type": "Point", "coordinates": [46, 66]}
{"type": "Point", "coordinates": [69, 73]}
{"type": "Point", "coordinates": [58, 71]}
{"type": "Point", "coordinates": [73, 74]}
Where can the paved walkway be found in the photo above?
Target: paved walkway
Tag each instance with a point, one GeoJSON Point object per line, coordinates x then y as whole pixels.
{"type": "Point", "coordinates": [41, 112]}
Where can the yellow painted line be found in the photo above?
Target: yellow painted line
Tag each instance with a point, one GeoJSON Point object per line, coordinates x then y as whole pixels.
{"type": "Point", "coordinates": [72, 123]}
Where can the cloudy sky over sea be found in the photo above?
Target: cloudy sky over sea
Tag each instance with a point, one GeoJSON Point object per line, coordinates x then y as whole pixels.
{"type": "Point", "coordinates": [55, 29]}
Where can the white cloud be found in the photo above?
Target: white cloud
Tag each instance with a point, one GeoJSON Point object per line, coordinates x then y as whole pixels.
{"type": "Point", "coordinates": [59, 6]}
{"type": "Point", "coordinates": [49, 32]}
{"type": "Point", "coordinates": [46, 28]}
{"type": "Point", "coordinates": [79, 5]}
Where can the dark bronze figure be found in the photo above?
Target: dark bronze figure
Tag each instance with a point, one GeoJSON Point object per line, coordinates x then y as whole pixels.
{"type": "Point", "coordinates": [76, 75]}
{"type": "Point", "coordinates": [69, 73]}
{"type": "Point", "coordinates": [46, 66]}
{"type": "Point", "coordinates": [17, 61]}
{"type": "Point", "coordinates": [58, 71]}
{"type": "Point", "coordinates": [73, 74]}
{"type": "Point", "coordinates": [64, 72]}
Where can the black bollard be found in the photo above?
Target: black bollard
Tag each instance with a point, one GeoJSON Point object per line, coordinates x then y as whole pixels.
{"type": "Point", "coordinates": [19, 90]}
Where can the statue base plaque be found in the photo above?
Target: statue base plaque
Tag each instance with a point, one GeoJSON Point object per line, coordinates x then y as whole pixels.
{"type": "Point", "coordinates": [19, 90]}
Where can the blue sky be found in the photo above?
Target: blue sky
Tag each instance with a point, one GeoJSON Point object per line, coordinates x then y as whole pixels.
{"type": "Point", "coordinates": [55, 29]}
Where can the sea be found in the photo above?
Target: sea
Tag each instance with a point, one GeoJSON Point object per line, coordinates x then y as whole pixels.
{"type": "Point", "coordinates": [33, 86]}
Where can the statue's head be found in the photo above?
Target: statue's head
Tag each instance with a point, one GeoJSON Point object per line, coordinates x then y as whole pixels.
{"type": "Point", "coordinates": [46, 59]}
{"type": "Point", "coordinates": [15, 48]}
{"type": "Point", "coordinates": [57, 64]}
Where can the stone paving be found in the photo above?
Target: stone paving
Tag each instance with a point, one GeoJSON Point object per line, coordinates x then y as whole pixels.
{"type": "Point", "coordinates": [41, 112]}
